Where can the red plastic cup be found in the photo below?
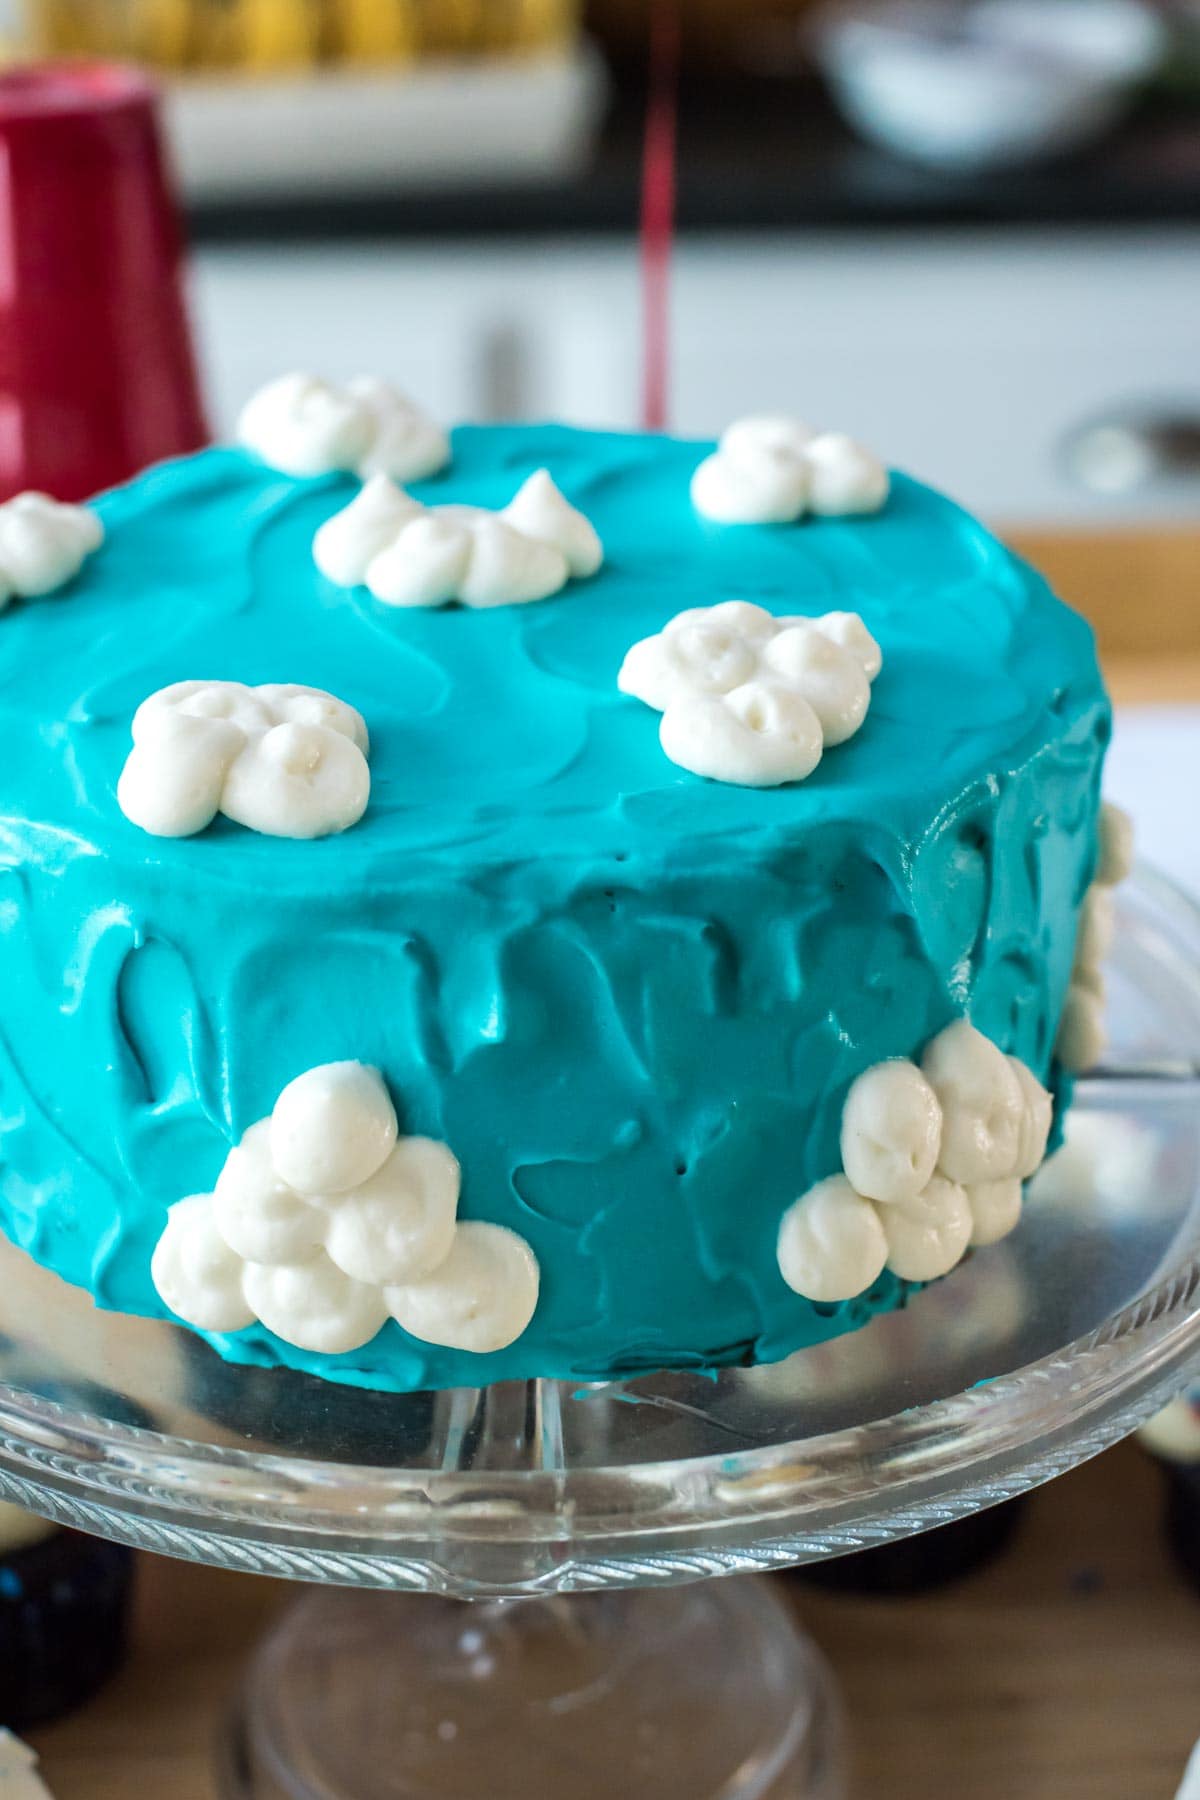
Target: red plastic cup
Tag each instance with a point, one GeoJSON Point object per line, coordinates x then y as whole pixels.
{"type": "Point", "coordinates": [97, 373]}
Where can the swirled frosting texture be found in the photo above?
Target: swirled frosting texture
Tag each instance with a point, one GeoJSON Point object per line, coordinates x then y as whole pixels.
{"type": "Point", "coordinates": [632, 1000]}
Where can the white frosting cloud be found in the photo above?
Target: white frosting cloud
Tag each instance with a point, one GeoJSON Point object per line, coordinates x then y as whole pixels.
{"type": "Point", "coordinates": [332, 1127]}
{"type": "Point", "coordinates": [305, 426]}
{"type": "Point", "coordinates": [481, 1298]}
{"type": "Point", "coordinates": [43, 545]}
{"type": "Point", "coordinates": [256, 1212]}
{"type": "Point", "coordinates": [758, 475]}
{"type": "Point", "coordinates": [937, 1155]}
{"type": "Point", "coordinates": [761, 734]}
{"type": "Point", "coordinates": [405, 443]}
{"type": "Point", "coordinates": [284, 760]}
{"type": "Point", "coordinates": [19, 1779]}
{"type": "Point", "coordinates": [1036, 1118]}
{"type": "Point", "coordinates": [399, 1224]}
{"type": "Point", "coordinates": [325, 1221]}
{"type": "Point", "coordinates": [995, 1209]}
{"type": "Point", "coordinates": [891, 1132]}
{"type": "Point", "coordinates": [412, 555]}
{"type": "Point", "coordinates": [196, 1272]}
{"type": "Point", "coordinates": [314, 1304]}
{"type": "Point", "coordinates": [1115, 862]}
{"type": "Point", "coordinates": [750, 698]}
{"type": "Point", "coordinates": [771, 470]}
{"type": "Point", "coordinates": [848, 630]}
{"type": "Point", "coordinates": [831, 1242]}
{"type": "Point", "coordinates": [982, 1104]}
{"type": "Point", "coordinates": [1082, 1036]}
{"type": "Point", "coordinates": [927, 1235]}
{"type": "Point", "coordinates": [347, 544]}
{"type": "Point", "coordinates": [541, 511]}
{"type": "Point", "coordinates": [1097, 927]}
{"type": "Point", "coordinates": [845, 479]}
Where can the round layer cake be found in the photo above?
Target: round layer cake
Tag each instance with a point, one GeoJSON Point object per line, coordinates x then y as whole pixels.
{"type": "Point", "coordinates": [630, 1000]}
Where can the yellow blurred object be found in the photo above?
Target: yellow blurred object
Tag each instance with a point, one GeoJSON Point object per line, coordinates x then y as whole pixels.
{"type": "Point", "coordinates": [167, 30]}
{"type": "Point", "coordinates": [448, 27]}
{"type": "Point", "coordinates": [374, 32]}
{"type": "Point", "coordinates": [251, 34]}
{"type": "Point", "coordinates": [279, 33]}
{"type": "Point", "coordinates": [154, 33]}
{"type": "Point", "coordinates": [262, 35]}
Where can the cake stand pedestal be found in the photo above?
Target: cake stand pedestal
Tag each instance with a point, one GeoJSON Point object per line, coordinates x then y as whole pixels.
{"type": "Point", "coordinates": [573, 1515]}
{"type": "Point", "coordinates": [679, 1693]}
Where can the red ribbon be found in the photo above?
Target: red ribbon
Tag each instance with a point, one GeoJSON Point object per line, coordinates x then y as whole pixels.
{"type": "Point", "coordinates": [658, 211]}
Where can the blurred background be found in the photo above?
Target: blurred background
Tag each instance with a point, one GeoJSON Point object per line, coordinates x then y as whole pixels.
{"type": "Point", "coordinates": [967, 233]}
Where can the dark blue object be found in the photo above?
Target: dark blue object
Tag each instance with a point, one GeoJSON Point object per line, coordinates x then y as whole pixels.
{"type": "Point", "coordinates": [1183, 1517]}
{"type": "Point", "coordinates": [64, 1617]}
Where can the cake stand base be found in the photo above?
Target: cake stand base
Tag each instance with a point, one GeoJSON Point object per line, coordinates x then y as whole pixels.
{"type": "Point", "coordinates": [704, 1692]}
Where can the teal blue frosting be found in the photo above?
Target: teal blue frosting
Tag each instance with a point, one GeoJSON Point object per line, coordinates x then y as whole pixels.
{"type": "Point", "coordinates": [629, 999]}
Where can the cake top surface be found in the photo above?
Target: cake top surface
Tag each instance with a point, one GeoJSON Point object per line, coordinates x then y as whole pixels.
{"type": "Point", "coordinates": [500, 735]}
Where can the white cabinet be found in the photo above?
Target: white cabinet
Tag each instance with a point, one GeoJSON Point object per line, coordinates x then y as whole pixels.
{"type": "Point", "coordinates": [964, 357]}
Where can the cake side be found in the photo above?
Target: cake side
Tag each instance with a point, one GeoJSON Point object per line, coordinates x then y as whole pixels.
{"type": "Point", "coordinates": [632, 1001]}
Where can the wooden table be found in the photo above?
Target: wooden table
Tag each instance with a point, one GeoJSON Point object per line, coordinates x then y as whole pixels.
{"type": "Point", "coordinates": [1068, 1671]}
{"type": "Point", "coordinates": [1141, 590]}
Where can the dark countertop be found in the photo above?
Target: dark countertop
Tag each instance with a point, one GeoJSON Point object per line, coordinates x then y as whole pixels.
{"type": "Point", "coordinates": [761, 154]}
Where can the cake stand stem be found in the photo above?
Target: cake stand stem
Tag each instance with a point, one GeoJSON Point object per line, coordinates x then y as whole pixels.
{"type": "Point", "coordinates": [705, 1692]}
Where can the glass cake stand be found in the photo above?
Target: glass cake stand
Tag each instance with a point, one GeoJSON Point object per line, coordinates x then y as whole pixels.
{"type": "Point", "coordinates": [598, 1504]}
